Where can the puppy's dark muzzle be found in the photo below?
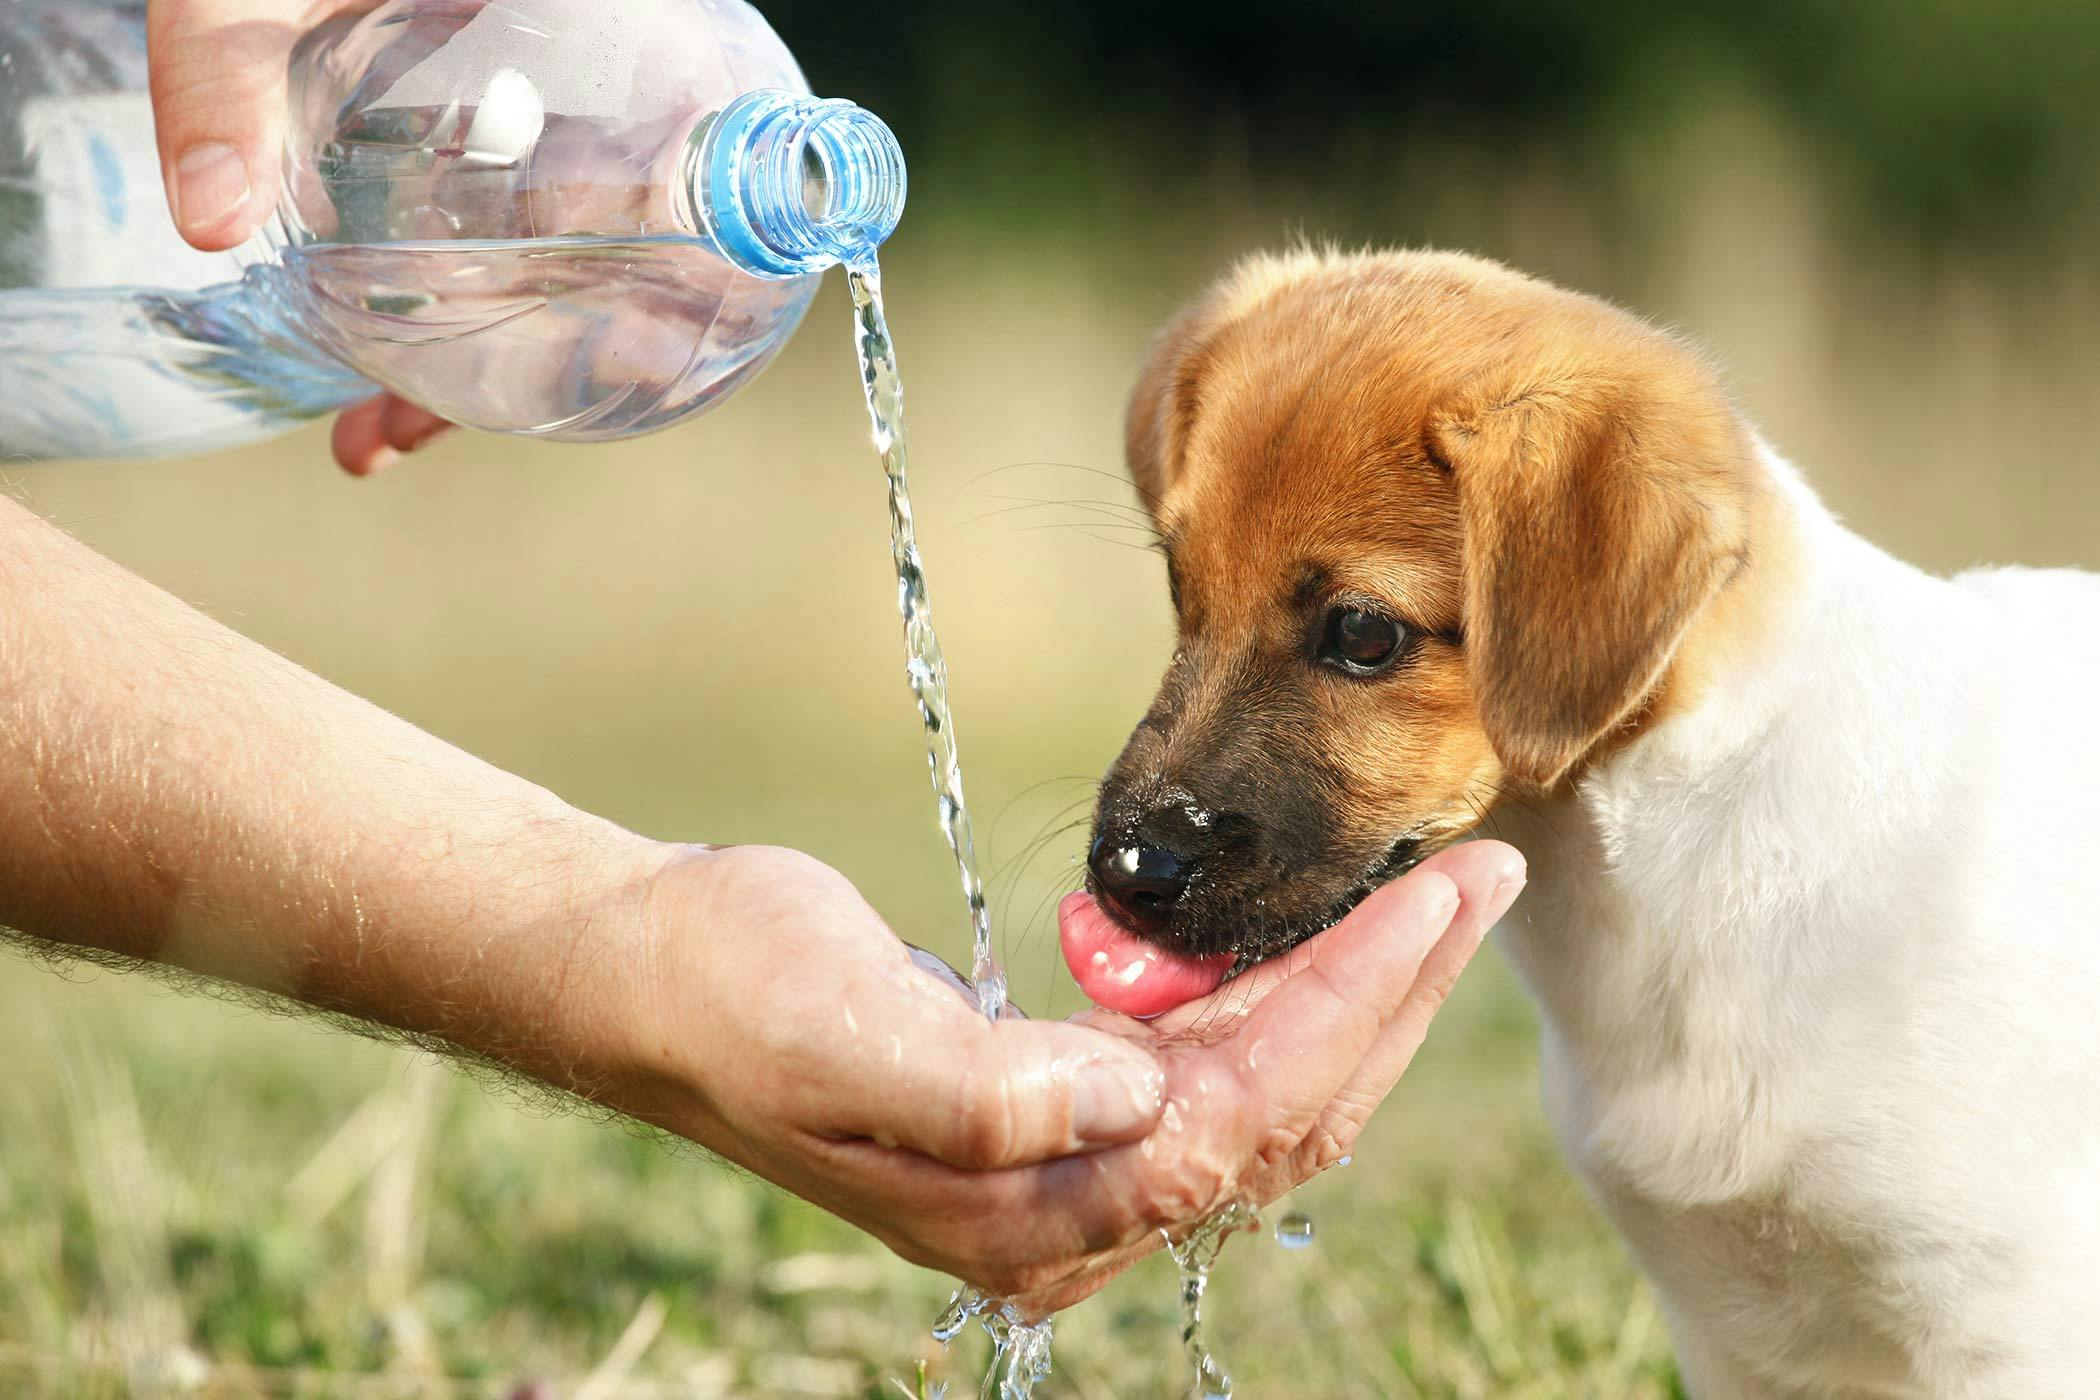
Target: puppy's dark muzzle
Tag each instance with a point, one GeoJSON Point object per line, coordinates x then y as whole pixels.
{"type": "Point", "coordinates": [1140, 883]}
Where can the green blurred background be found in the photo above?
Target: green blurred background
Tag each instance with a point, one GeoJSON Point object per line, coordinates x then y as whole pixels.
{"type": "Point", "coordinates": [1879, 217]}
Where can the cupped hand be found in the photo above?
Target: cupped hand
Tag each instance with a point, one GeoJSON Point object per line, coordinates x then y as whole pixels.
{"type": "Point", "coordinates": [1032, 1159]}
{"type": "Point", "coordinates": [218, 73]}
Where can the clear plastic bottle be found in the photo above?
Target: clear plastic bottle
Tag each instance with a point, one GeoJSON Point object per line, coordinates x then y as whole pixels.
{"type": "Point", "coordinates": [578, 219]}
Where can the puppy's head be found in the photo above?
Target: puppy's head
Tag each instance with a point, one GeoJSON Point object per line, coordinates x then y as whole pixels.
{"type": "Point", "coordinates": [1435, 532]}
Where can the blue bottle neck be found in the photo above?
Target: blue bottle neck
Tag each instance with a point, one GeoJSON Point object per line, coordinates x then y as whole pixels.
{"type": "Point", "coordinates": [786, 184]}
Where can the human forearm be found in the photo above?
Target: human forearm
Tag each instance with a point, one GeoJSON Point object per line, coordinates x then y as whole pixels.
{"type": "Point", "coordinates": [173, 792]}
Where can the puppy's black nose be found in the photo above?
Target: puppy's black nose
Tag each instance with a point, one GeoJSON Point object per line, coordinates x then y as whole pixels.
{"type": "Point", "coordinates": [1142, 883]}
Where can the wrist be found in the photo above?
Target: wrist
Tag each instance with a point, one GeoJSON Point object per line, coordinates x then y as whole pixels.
{"type": "Point", "coordinates": [518, 936]}
{"type": "Point", "coordinates": [566, 970]}
{"type": "Point", "coordinates": [731, 939]}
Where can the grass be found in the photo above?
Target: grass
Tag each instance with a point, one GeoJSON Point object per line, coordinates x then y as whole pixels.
{"type": "Point", "coordinates": [695, 635]}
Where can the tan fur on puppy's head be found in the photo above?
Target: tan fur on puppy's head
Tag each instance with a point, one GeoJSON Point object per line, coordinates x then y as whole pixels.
{"type": "Point", "coordinates": [1547, 492]}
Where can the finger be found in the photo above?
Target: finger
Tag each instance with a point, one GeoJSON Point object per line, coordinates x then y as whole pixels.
{"type": "Point", "coordinates": [1092, 1275]}
{"type": "Point", "coordinates": [1310, 1033]}
{"type": "Point", "coordinates": [1489, 876]}
{"type": "Point", "coordinates": [1477, 867]}
{"type": "Point", "coordinates": [359, 438]}
{"type": "Point", "coordinates": [1323, 1045]}
{"type": "Point", "coordinates": [982, 1096]}
{"type": "Point", "coordinates": [1073, 1223]}
{"type": "Point", "coordinates": [1242, 1106]}
{"type": "Point", "coordinates": [1059, 1222]}
{"type": "Point", "coordinates": [408, 428]}
{"type": "Point", "coordinates": [217, 72]}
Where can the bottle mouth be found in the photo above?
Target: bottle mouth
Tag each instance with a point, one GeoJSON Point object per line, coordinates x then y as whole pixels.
{"type": "Point", "coordinates": [789, 184]}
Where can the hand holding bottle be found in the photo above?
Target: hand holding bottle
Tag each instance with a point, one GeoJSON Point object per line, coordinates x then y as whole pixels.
{"type": "Point", "coordinates": [559, 218]}
{"type": "Point", "coordinates": [218, 69]}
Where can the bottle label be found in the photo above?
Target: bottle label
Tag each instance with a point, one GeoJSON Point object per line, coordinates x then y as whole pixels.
{"type": "Point", "coordinates": [106, 220]}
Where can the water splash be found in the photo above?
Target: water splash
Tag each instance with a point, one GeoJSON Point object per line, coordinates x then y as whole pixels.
{"type": "Point", "coordinates": [1020, 1348]}
{"type": "Point", "coordinates": [1295, 1231]}
{"type": "Point", "coordinates": [1195, 1254]}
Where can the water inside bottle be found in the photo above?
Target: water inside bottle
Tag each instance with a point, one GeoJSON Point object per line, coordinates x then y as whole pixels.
{"type": "Point", "coordinates": [582, 339]}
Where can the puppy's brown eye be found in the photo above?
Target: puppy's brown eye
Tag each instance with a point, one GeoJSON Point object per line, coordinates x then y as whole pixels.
{"type": "Point", "coordinates": [1359, 642]}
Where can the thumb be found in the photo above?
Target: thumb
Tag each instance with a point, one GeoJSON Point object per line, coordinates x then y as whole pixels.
{"type": "Point", "coordinates": [217, 69]}
{"type": "Point", "coordinates": [1010, 1094]}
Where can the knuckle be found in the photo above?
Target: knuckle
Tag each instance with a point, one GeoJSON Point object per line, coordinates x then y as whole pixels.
{"type": "Point", "coordinates": [1189, 1193]}
{"type": "Point", "coordinates": [1276, 1144]}
{"type": "Point", "coordinates": [1330, 1142]}
{"type": "Point", "coordinates": [985, 1131]}
{"type": "Point", "coordinates": [1434, 990]}
{"type": "Point", "coordinates": [192, 83]}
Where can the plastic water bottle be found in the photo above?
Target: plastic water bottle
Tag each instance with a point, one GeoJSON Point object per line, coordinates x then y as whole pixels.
{"type": "Point", "coordinates": [577, 219]}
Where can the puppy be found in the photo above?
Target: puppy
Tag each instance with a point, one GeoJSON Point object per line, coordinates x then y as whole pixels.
{"type": "Point", "coordinates": [1810, 923]}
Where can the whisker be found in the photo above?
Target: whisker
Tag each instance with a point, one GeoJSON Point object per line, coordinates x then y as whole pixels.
{"type": "Point", "coordinates": [1082, 502]}
{"type": "Point", "coordinates": [1118, 477]}
{"type": "Point", "coordinates": [1087, 528]}
{"type": "Point", "coordinates": [1521, 800]}
{"type": "Point", "coordinates": [992, 834]}
{"type": "Point", "coordinates": [1084, 525]}
{"type": "Point", "coordinates": [1034, 923]}
{"type": "Point", "coordinates": [1054, 818]}
{"type": "Point", "coordinates": [1129, 516]}
{"type": "Point", "coordinates": [1010, 872]}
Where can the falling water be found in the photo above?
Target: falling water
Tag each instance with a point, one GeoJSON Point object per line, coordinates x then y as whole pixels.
{"type": "Point", "coordinates": [924, 666]}
{"type": "Point", "coordinates": [1020, 1349]}
{"type": "Point", "coordinates": [1194, 1255]}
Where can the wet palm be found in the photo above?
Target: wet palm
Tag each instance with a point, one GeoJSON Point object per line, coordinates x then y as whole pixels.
{"type": "Point", "coordinates": [809, 1048]}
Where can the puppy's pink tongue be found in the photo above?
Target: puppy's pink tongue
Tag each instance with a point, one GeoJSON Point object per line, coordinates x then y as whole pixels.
{"type": "Point", "coordinates": [1124, 973]}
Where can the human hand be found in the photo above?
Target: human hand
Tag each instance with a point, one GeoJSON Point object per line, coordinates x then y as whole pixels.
{"type": "Point", "coordinates": [1344, 1012]}
{"type": "Point", "coordinates": [218, 73]}
{"type": "Point", "coordinates": [815, 1053]}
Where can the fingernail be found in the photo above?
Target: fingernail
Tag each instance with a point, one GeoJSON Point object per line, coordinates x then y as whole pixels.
{"type": "Point", "coordinates": [211, 185]}
{"type": "Point", "coordinates": [378, 461]}
{"type": "Point", "coordinates": [1498, 903]}
{"type": "Point", "coordinates": [1444, 903]}
{"type": "Point", "coordinates": [1115, 1100]}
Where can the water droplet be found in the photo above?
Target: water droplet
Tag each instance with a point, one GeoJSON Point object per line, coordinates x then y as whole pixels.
{"type": "Point", "coordinates": [1295, 1231]}
{"type": "Point", "coordinates": [966, 1304]}
{"type": "Point", "coordinates": [1345, 1161]}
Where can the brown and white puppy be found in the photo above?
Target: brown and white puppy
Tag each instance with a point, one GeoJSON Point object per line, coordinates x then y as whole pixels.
{"type": "Point", "coordinates": [1440, 535]}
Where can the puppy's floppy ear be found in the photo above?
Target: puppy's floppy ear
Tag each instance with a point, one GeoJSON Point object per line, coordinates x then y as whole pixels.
{"type": "Point", "coordinates": [1164, 402]}
{"type": "Point", "coordinates": [1601, 513]}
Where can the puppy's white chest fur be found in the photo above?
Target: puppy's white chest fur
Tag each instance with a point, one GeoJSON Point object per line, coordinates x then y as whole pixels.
{"type": "Point", "coordinates": [1821, 993]}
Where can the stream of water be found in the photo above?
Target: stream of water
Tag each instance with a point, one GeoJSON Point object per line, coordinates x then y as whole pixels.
{"type": "Point", "coordinates": [1020, 1349]}
{"type": "Point", "coordinates": [924, 666]}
